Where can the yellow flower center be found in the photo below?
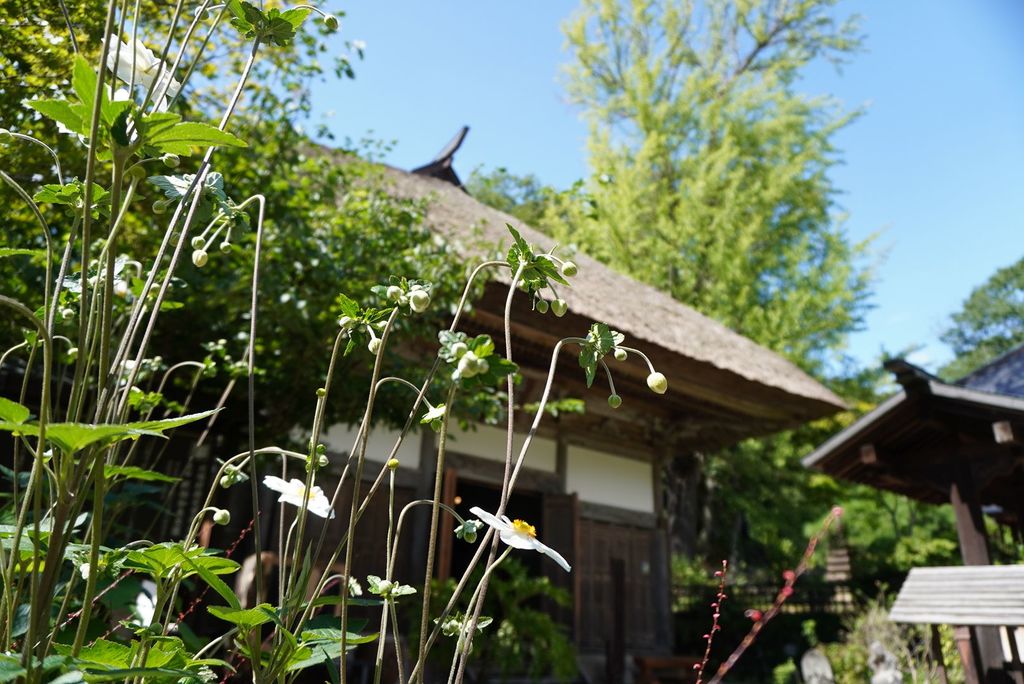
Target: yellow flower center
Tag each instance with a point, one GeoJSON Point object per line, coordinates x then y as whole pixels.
{"type": "Point", "coordinates": [523, 527]}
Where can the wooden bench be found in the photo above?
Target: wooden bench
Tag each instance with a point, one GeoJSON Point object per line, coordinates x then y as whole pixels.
{"type": "Point", "coordinates": [664, 669]}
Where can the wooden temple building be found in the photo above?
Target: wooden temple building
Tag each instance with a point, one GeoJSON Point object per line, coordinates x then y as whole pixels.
{"type": "Point", "coordinates": [960, 444]}
{"type": "Point", "coordinates": [592, 483]}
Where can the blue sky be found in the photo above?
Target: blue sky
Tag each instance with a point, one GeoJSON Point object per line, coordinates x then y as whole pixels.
{"type": "Point", "coordinates": [934, 166]}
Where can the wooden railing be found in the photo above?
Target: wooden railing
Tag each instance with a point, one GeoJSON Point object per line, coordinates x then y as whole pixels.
{"type": "Point", "coordinates": [833, 598]}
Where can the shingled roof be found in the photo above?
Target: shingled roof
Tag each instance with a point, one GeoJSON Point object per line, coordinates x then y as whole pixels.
{"type": "Point", "coordinates": [709, 366]}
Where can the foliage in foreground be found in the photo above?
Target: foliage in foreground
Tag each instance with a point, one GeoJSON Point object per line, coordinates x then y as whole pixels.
{"type": "Point", "coordinates": [85, 421]}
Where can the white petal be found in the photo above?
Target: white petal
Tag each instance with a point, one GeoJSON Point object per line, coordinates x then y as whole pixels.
{"type": "Point", "coordinates": [516, 540]}
{"type": "Point", "coordinates": [488, 518]}
{"type": "Point", "coordinates": [552, 554]}
{"type": "Point", "coordinates": [276, 483]}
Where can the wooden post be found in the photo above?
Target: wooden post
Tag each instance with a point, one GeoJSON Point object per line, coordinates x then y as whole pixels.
{"type": "Point", "coordinates": [970, 529]}
{"type": "Point", "coordinates": [1018, 669]}
{"type": "Point", "coordinates": [615, 648]}
{"type": "Point", "coordinates": [962, 637]}
{"type": "Point", "coordinates": [936, 655]}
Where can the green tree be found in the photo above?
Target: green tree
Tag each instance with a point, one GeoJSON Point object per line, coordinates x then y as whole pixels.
{"type": "Point", "coordinates": [989, 324]}
{"type": "Point", "coordinates": [332, 225]}
{"type": "Point", "coordinates": [710, 170]}
{"type": "Point", "coordinates": [525, 197]}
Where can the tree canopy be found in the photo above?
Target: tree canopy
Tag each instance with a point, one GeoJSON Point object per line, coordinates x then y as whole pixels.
{"type": "Point", "coordinates": [710, 169]}
{"type": "Point", "coordinates": [989, 323]}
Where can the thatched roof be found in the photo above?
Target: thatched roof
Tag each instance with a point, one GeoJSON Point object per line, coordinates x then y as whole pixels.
{"type": "Point", "coordinates": [709, 367]}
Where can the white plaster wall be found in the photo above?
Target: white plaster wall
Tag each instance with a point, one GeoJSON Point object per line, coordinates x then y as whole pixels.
{"type": "Point", "coordinates": [488, 442]}
{"type": "Point", "coordinates": [339, 438]}
{"type": "Point", "coordinates": [610, 480]}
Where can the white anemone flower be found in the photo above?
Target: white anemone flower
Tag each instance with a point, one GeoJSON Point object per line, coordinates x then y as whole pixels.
{"type": "Point", "coordinates": [138, 59]}
{"type": "Point", "coordinates": [85, 569]}
{"type": "Point", "coordinates": [295, 493]}
{"type": "Point", "coordinates": [519, 534]}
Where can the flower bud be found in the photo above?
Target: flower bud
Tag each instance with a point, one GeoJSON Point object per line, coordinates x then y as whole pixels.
{"type": "Point", "coordinates": [559, 307]}
{"type": "Point", "coordinates": [345, 322]}
{"type": "Point", "coordinates": [226, 481]}
{"type": "Point", "coordinates": [321, 392]}
{"type": "Point", "coordinates": [470, 537]}
{"type": "Point", "coordinates": [200, 257]}
{"type": "Point", "coordinates": [321, 448]}
{"type": "Point", "coordinates": [331, 22]}
{"type": "Point", "coordinates": [171, 161]}
{"type": "Point", "coordinates": [419, 300]}
{"type": "Point", "coordinates": [541, 306]}
{"type": "Point", "coordinates": [614, 400]}
{"type": "Point", "coordinates": [226, 247]}
{"type": "Point", "coordinates": [459, 349]}
{"type": "Point", "coordinates": [468, 366]}
{"type": "Point", "coordinates": [321, 460]}
{"type": "Point", "coordinates": [657, 382]}
{"type": "Point", "coordinates": [392, 464]}
{"type": "Point", "coordinates": [221, 516]}
{"type": "Point", "coordinates": [197, 242]}
{"type": "Point", "coordinates": [137, 174]}
{"type": "Point", "coordinates": [160, 206]}
{"type": "Point", "coordinates": [482, 366]}
{"type": "Point", "coordinates": [374, 345]}
{"type": "Point", "coordinates": [620, 354]}
{"type": "Point", "coordinates": [394, 292]}
{"type": "Point", "coordinates": [67, 312]}
{"type": "Point", "coordinates": [5, 134]}
{"type": "Point", "coordinates": [569, 269]}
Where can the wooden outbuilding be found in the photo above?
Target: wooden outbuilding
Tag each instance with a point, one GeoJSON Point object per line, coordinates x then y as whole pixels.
{"type": "Point", "coordinates": [937, 442]}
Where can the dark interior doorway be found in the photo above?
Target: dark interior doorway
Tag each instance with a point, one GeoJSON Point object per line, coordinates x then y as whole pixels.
{"type": "Point", "coordinates": [525, 505]}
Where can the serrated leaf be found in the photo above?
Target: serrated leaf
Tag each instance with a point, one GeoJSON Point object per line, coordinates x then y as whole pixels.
{"type": "Point", "coordinates": [215, 582]}
{"type": "Point", "coordinates": [83, 82]}
{"type": "Point", "coordinates": [61, 111]}
{"type": "Point", "coordinates": [247, 619]}
{"type": "Point", "coordinates": [182, 137]}
{"type": "Point", "coordinates": [13, 412]}
{"type": "Point", "coordinates": [14, 251]}
{"type": "Point", "coordinates": [111, 472]}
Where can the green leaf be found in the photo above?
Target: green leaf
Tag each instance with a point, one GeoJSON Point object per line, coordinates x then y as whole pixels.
{"type": "Point", "coordinates": [168, 423]}
{"type": "Point", "coordinates": [182, 137]}
{"type": "Point", "coordinates": [111, 472]}
{"type": "Point", "coordinates": [61, 111]}
{"type": "Point", "coordinates": [247, 619]}
{"type": "Point", "coordinates": [73, 437]}
{"type": "Point", "coordinates": [100, 652]}
{"type": "Point", "coordinates": [10, 668]}
{"type": "Point", "coordinates": [13, 412]}
{"type": "Point", "coordinates": [348, 306]}
{"type": "Point", "coordinates": [149, 674]}
{"type": "Point", "coordinates": [83, 81]}
{"type": "Point", "coordinates": [216, 583]}
{"type": "Point", "coordinates": [13, 251]}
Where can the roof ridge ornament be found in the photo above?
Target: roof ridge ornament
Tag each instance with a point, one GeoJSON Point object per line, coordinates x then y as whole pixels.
{"type": "Point", "coordinates": [912, 378]}
{"type": "Point", "coordinates": [440, 166]}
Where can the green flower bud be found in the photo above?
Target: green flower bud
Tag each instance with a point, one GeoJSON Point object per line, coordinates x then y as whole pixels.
{"type": "Point", "coordinates": [226, 247]}
{"type": "Point", "coordinates": [620, 354]}
{"type": "Point", "coordinates": [394, 292]}
{"type": "Point", "coordinates": [321, 448]}
{"type": "Point", "coordinates": [200, 257]}
{"type": "Point", "coordinates": [419, 300]}
{"type": "Point", "coordinates": [657, 382]}
{"type": "Point", "coordinates": [321, 460]}
{"type": "Point", "coordinates": [197, 242]}
{"type": "Point", "coordinates": [331, 22]}
{"type": "Point", "coordinates": [458, 349]}
{"type": "Point", "coordinates": [67, 312]}
{"type": "Point", "coordinates": [160, 206]}
{"type": "Point", "coordinates": [614, 400]}
{"type": "Point", "coordinates": [541, 306]}
{"type": "Point", "coordinates": [137, 174]}
{"type": "Point", "coordinates": [569, 269]}
{"type": "Point", "coordinates": [482, 366]}
{"type": "Point", "coordinates": [221, 516]}
{"type": "Point", "coordinates": [374, 345]}
{"type": "Point", "coordinates": [393, 463]}
{"type": "Point", "coordinates": [559, 307]}
{"type": "Point", "coordinates": [171, 161]}
{"type": "Point", "coordinates": [226, 481]}
{"type": "Point", "coordinates": [468, 365]}
{"type": "Point", "coordinates": [345, 322]}
{"type": "Point", "coordinates": [470, 537]}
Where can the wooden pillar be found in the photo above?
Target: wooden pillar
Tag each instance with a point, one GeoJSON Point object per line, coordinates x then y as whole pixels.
{"type": "Point", "coordinates": [970, 529]}
{"type": "Point", "coordinates": [615, 648]}
{"type": "Point", "coordinates": [661, 560]}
